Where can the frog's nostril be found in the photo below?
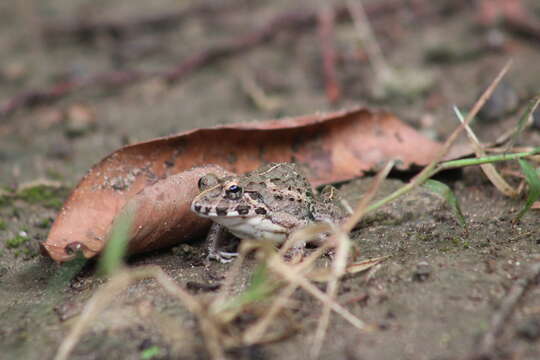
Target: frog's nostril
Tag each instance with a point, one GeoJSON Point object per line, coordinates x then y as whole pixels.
{"type": "Point", "coordinates": [197, 208]}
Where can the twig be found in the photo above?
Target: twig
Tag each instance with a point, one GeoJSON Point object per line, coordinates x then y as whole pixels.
{"type": "Point", "coordinates": [286, 21]}
{"type": "Point", "coordinates": [59, 90]}
{"type": "Point", "coordinates": [121, 281]}
{"type": "Point", "coordinates": [257, 94]}
{"type": "Point", "coordinates": [433, 167]}
{"type": "Point", "coordinates": [282, 22]}
{"type": "Point", "coordinates": [84, 30]}
{"type": "Point", "coordinates": [326, 21]}
{"type": "Point", "coordinates": [339, 264]}
{"type": "Point", "coordinates": [508, 305]}
{"type": "Point", "coordinates": [489, 169]}
{"type": "Point", "coordinates": [526, 28]}
{"type": "Point", "coordinates": [361, 23]}
{"type": "Point", "coordinates": [366, 199]}
{"type": "Point", "coordinates": [253, 334]}
{"type": "Point", "coordinates": [277, 265]}
{"type": "Point", "coordinates": [517, 20]}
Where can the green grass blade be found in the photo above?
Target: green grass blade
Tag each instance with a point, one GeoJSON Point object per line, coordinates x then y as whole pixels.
{"type": "Point", "coordinates": [446, 193]}
{"type": "Point", "coordinates": [534, 186]}
{"type": "Point", "coordinates": [151, 353]}
{"type": "Point", "coordinates": [115, 250]}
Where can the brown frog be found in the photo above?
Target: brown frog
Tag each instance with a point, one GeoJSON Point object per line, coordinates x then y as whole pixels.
{"type": "Point", "coordinates": [267, 204]}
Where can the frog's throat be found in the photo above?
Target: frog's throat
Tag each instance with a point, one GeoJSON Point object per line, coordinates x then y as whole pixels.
{"type": "Point", "coordinates": [254, 227]}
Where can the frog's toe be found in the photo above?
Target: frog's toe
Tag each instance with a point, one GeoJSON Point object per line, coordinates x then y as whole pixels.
{"type": "Point", "coordinates": [222, 256]}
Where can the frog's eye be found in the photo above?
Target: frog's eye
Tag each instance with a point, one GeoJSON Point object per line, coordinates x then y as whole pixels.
{"type": "Point", "coordinates": [207, 181]}
{"type": "Point", "coordinates": [233, 192]}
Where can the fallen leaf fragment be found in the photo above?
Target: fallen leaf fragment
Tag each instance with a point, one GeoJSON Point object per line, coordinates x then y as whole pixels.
{"type": "Point", "coordinates": [161, 217]}
{"type": "Point", "coordinates": [160, 174]}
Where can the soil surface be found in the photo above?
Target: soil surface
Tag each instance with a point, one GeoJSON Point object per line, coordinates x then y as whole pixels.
{"type": "Point", "coordinates": [432, 299]}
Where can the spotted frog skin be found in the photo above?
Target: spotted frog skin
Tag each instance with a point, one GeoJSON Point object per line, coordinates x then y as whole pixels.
{"type": "Point", "coordinates": [267, 204]}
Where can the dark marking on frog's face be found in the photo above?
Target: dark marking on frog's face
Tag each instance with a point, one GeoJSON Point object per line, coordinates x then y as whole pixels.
{"type": "Point", "coordinates": [275, 188]}
{"type": "Point", "coordinates": [228, 197]}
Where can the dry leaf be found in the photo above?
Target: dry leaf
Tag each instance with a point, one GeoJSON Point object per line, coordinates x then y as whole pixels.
{"type": "Point", "coordinates": [329, 147]}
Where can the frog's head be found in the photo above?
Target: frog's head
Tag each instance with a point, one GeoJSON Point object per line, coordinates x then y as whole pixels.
{"type": "Point", "coordinates": [226, 198]}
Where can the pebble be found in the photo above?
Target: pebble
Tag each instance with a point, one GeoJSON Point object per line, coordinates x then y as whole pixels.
{"type": "Point", "coordinates": [529, 329]}
{"type": "Point", "coordinates": [423, 271]}
{"type": "Point", "coordinates": [503, 101]}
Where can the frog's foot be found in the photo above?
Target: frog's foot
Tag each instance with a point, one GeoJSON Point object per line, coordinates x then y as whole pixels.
{"type": "Point", "coordinates": [223, 257]}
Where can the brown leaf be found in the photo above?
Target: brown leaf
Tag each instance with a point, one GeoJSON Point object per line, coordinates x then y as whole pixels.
{"type": "Point", "coordinates": [330, 147]}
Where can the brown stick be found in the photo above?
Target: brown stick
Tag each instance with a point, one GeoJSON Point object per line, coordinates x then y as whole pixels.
{"type": "Point", "coordinates": [83, 30]}
{"type": "Point", "coordinates": [508, 305]}
{"type": "Point", "coordinates": [524, 27]}
{"type": "Point", "coordinates": [286, 21]}
{"type": "Point", "coordinates": [326, 21]}
{"type": "Point", "coordinates": [515, 17]}
{"type": "Point", "coordinates": [283, 22]}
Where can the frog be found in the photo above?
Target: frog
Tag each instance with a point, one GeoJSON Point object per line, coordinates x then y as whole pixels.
{"type": "Point", "coordinates": [267, 204]}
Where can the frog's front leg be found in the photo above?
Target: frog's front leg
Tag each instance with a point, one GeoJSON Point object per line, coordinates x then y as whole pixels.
{"type": "Point", "coordinates": [214, 239]}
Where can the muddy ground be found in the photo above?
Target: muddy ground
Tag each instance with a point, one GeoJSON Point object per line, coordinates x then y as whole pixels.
{"type": "Point", "coordinates": [435, 296]}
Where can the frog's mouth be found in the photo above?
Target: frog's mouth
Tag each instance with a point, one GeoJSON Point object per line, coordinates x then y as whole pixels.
{"type": "Point", "coordinates": [240, 211]}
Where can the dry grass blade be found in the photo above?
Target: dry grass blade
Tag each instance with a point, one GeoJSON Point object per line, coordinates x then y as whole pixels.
{"type": "Point", "coordinates": [431, 169]}
{"type": "Point", "coordinates": [339, 264]}
{"type": "Point", "coordinates": [375, 54]}
{"type": "Point", "coordinates": [366, 199]}
{"type": "Point", "coordinates": [489, 169]}
{"type": "Point", "coordinates": [257, 94]}
{"type": "Point", "coordinates": [508, 305]}
{"type": "Point", "coordinates": [324, 275]}
{"type": "Point", "coordinates": [254, 333]}
{"type": "Point", "coordinates": [338, 270]}
{"type": "Point", "coordinates": [121, 281]}
{"type": "Point", "coordinates": [525, 120]}
{"type": "Point", "coordinates": [365, 264]}
{"type": "Point", "coordinates": [303, 235]}
{"type": "Point", "coordinates": [96, 304]}
{"type": "Point", "coordinates": [470, 115]}
{"type": "Point", "coordinates": [232, 274]}
{"type": "Point", "coordinates": [278, 266]}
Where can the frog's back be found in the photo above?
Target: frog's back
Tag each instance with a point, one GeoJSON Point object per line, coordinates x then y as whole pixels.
{"type": "Point", "coordinates": [282, 188]}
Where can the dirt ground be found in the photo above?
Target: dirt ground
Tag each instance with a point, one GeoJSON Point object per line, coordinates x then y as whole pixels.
{"type": "Point", "coordinates": [435, 296]}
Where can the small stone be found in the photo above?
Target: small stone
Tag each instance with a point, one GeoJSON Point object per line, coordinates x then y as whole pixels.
{"type": "Point", "coordinates": [536, 118]}
{"type": "Point", "coordinates": [529, 329]}
{"type": "Point", "coordinates": [67, 310]}
{"type": "Point", "coordinates": [60, 150]}
{"type": "Point", "coordinates": [49, 117]}
{"type": "Point", "coordinates": [198, 287]}
{"type": "Point", "coordinates": [14, 71]}
{"type": "Point", "coordinates": [503, 101]}
{"type": "Point", "coordinates": [80, 119]}
{"type": "Point", "coordinates": [422, 272]}
{"type": "Point", "coordinates": [184, 250]}
{"type": "Point", "coordinates": [145, 308]}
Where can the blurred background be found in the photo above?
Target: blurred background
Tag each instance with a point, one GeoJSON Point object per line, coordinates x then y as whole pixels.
{"type": "Point", "coordinates": [80, 78]}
